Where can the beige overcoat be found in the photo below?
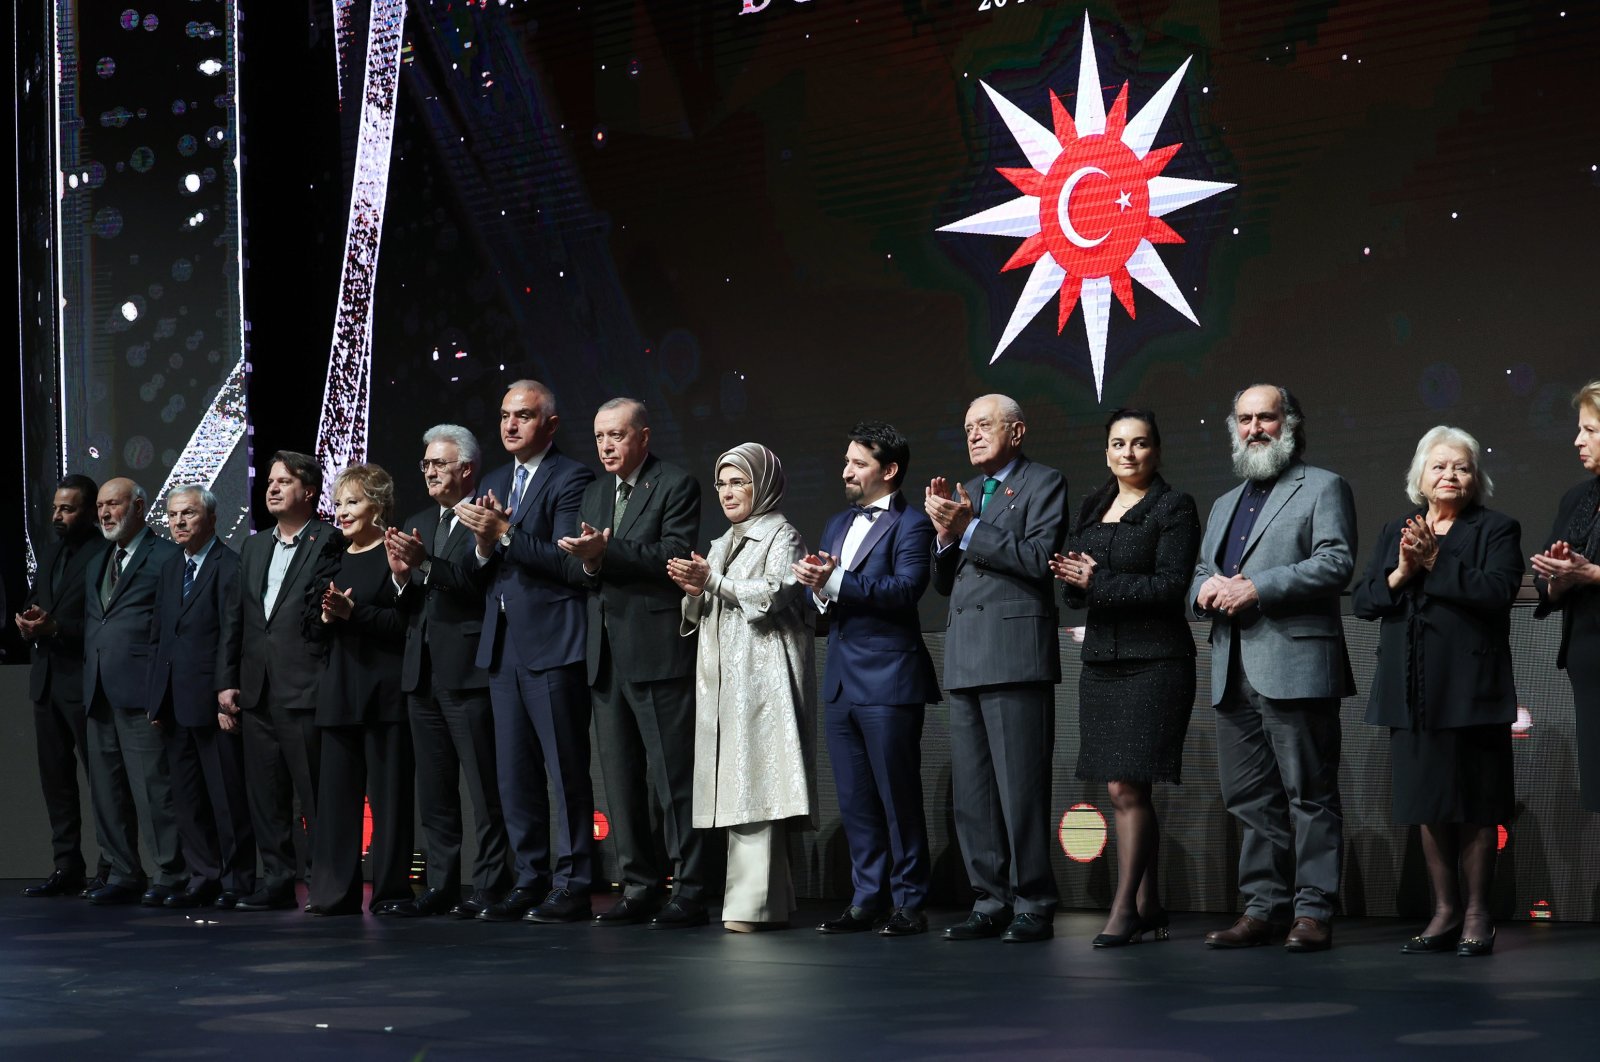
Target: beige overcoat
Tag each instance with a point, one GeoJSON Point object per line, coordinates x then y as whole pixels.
{"type": "Point", "coordinates": [755, 681]}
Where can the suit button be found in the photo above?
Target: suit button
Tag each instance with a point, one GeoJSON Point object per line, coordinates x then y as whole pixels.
{"type": "Point", "coordinates": [980, 608]}
{"type": "Point", "coordinates": [958, 612]}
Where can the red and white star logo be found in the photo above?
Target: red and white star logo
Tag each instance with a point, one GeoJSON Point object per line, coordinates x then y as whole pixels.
{"type": "Point", "coordinates": [1091, 207]}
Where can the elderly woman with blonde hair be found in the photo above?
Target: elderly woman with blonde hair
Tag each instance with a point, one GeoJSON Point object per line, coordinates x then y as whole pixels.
{"type": "Point", "coordinates": [1442, 581]}
{"type": "Point", "coordinates": [755, 688]}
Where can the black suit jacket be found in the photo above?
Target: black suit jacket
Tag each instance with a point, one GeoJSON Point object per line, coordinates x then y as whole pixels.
{"type": "Point", "coordinates": [119, 637]}
{"type": "Point", "coordinates": [1136, 595]}
{"type": "Point", "coordinates": [633, 606]}
{"type": "Point", "coordinates": [360, 681]}
{"type": "Point", "coordinates": [444, 615]}
{"type": "Point", "coordinates": [274, 652]}
{"type": "Point", "coordinates": [1580, 605]}
{"type": "Point", "coordinates": [190, 654]}
{"type": "Point", "coordinates": [58, 659]}
{"type": "Point", "coordinates": [1447, 632]}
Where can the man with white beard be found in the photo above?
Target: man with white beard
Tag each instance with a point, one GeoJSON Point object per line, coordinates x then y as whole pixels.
{"type": "Point", "coordinates": [1277, 552]}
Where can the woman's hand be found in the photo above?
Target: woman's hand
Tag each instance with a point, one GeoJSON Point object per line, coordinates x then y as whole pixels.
{"type": "Point", "coordinates": [1074, 569]}
{"type": "Point", "coordinates": [690, 575]}
{"type": "Point", "coordinates": [1562, 568]}
{"type": "Point", "coordinates": [1420, 540]}
{"type": "Point", "coordinates": [337, 604]}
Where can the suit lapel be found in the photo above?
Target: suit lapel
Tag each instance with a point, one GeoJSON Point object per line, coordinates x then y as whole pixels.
{"type": "Point", "coordinates": [1282, 491]}
{"type": "Point", "coordinates": [308, 545]}
{"type": "Point", "coordinates": [135, 562]}
{"type": "Point", "coordinates": [537, 485]}
{"type": "Point", "coordinates": [644, 486]}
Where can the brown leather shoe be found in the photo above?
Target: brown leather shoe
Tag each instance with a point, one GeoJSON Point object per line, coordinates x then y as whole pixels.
{"type": "Point", "coordinates": [1309, 934]}
{"type": "Point", "coordinates": [1247, 932]}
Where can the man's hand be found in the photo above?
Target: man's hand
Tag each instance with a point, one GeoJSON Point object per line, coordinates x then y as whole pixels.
{"type": "Point", "coordinates": [486, 518]}
{"type": "Point", "coordinates": [814, 570]}
{"type": "Point", "coordinates": [226, 721]}
{"type": "Point", "coordinates": [588, 545]}
{"type": "Point", "coordinates": [1210, 592]}
{"type": "Point", "coordinates": [950, 514]}
{"type": "Point", "coordinates": [35, 623]}
{"type": "Point", "coordinates": [690, 575]}
{"type": "Point", "coordinates": [228, 701]}
{"type": "Point", "coordinates": [1237, 595]}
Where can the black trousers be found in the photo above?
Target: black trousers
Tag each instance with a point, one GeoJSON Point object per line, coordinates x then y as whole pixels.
{"type": "Point", "coordinates": [453, 732]}
{"type": "Point", "coordinates": [209, 798]}
{"type": "Point", "coordinates": [60, 739]}
{"type": "Point", "coordinates": [372, 760]}
{"type": "Point", "coordinates": [281, 763]}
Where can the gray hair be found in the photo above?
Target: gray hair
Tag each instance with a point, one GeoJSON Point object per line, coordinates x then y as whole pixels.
{"type": "Point", "coordinates": [1444, 435]}
{"type": "Point", "coordinates": [1008, 407]}
{"type": "Point", "coordinates": [547, 397]}
{"type": "Point", "coordinates": [641, 415]}
{"type": "Point", "coordinates": [139, 494]}
{"type": "Point", "coordinates": [1294, 419]}
{"type": "Point", "coordinates": [464, 441]}
{"type": "Point", "coordinates": [199, 490]}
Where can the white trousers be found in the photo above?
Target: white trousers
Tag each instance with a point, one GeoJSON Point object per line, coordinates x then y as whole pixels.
{"type": "Point", "coordinates": [759, 886]}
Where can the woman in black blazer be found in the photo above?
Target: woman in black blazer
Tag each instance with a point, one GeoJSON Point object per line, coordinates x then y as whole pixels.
{"type": "Point", "coordinates": [1442, 580]}
{"type": "Point", "coordinates": [1568, 579]}
{"type": "Point", "coordinates": [366, 739]}
{"type": "Point", "coordinates": [1130, 558]}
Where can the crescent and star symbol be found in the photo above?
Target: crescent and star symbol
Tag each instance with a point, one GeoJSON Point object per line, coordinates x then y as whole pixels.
{"type": "Point", "coordinates": [1093, 172]}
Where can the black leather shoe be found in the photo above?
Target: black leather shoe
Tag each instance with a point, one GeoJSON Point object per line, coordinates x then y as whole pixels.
{"type": "Point", "coordinates": [1422, 944]}
{"type": "Point", "coordinates": [330, 910]}
{"type": "Point", "coordinates": [429, 902]}
{"type": "Point", "coordinates": [194, 896]}
{"type": "Point", "coordinates": [562, 905]}
{"type": "Point", "coordinates": [1472, 946]}
{"type": "Point", "coordinates": [904, 923]}
{"type": "Point", "coordinates": [517, 903]}
{"type": "Point", "coordinates": [94, 884]}
{"type": "Point", "coordinates": [628, 911]}
{"type": "Point", "coordinates": [473, 905]}
{"type": "Point", "coordinates": [59, 883]}
{"type": "Point", "coordinates": [227, 900]}
{"type": "Point", "coordinates": [1028, 929]}
{"type": "Point", "coordinates": [158, 895]}
{"type": "Point", "coordinates": [266, 900]}
{"type": "Point", "coordinates": [978, 926]}
{"type": "Point", "coordinates": [680, 914]}
{"type": "Point", "coordinates": [109, 895]}
{"type": "Point", "coordinates": [854, 920]}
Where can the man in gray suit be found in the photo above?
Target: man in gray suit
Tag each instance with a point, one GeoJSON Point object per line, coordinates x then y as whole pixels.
{"type": "Point", "coordinates": [1277, 552]}
{"type": "Point", "coordinates": [995, 537]}
{"type": "Point", "coordinates": [128, 766]}
{"type": "Point", "coordinates": [641, 673]}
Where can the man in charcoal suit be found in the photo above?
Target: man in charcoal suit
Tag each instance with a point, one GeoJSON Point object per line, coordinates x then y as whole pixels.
{"type": "Point", "coordinates": [870, 569]}
{"type": "Point", "coordinates": [52, 622]}
{"type": "Point", "coordinates": [995, 538]}
{"type": "Point", "coordinates": [198, 587]}
{"type": "Point", "coordinates": [640, 671]}
{"type": "Point", "coordinates": [447, 694]}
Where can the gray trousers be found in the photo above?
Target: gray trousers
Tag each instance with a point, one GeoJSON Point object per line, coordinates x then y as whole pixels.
{"type": "Point", "coordinates": [130, 786]}
{"type": "Point", "coordinates": [1279, 767]}
{"type": "Point", "coordinates": [1002, 743]}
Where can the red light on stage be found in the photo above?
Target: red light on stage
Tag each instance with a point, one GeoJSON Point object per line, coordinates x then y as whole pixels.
{"type": "Point", "coordinates": [366, 826]}
{"type": "Point", "coordinates": [602, 826]}
{"type": "Point", "coordinates": [1540, 911]}
{"type": "Point", "coordinates": [1502, 835]}
{"type": "Point", "coordinates": [1082, 833]}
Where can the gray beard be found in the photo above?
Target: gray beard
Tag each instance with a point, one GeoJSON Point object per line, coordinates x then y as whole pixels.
{"type": "Point", "coordinates": [1261, 463]}
{"type": "Point", "coordinates": [117, 530]}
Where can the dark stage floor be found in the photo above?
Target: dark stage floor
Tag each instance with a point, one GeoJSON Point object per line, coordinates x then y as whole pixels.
{"type": "Point", "coordinates": [78, 982]}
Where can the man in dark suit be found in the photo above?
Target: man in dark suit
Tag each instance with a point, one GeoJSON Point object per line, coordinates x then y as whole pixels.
{"type": "Point", "coordinates": [128, 766]}
{"type": "Point", "coordinates": [197, 588]}
{"type": "Point", "coordinates": [272, 666]}
{"type": "Point", "coordinates": [52, 622]}
{"type": "Point", "coordinates": [534, 629]}
{"type": "Point", "coordinates": [870, 569]}
{"type": "Point", "coordinates": [1002, 660]}
{"type": "Point", "coordinates": [1277, 552]}
{"type": "Point", "coordinates": [447, 694]}
{"type": "Point", "coordinates": [640, 671]}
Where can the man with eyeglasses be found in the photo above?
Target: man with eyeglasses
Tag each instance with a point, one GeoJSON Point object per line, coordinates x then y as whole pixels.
{"type": "Point", "coordinates": [447, 693]}
{"type": "Point", "coordinates": [644, 512]}
{"type": "Point", "coordinates": [1002, 659]}
{"type": "Point", "coordinates": [535, 625]}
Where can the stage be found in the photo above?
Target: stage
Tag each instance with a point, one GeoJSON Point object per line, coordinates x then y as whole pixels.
{"type": "Point", "coordinates": [82, 982]}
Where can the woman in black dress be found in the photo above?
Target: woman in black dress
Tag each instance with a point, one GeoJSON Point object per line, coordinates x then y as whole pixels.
{"type": "Point", "coordinates": [1442, 579]}
{"type": "Point", "coordinates": [366, 740]}
{"type": "Point", "coordinates": [1130, 557]}
{"type": "Point", "coordinates": [1568, 577]}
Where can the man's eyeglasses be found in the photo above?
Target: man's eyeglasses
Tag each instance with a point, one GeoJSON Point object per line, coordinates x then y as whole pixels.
{"type": "Point", "coordinates": [433, 464]}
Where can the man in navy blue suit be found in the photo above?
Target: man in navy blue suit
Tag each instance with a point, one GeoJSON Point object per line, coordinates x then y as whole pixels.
{"type": "Point", "coordinates": [871, 567]}
{"type": "Point", "coordinates": [205, 746]}
{"type": "Point", "coordinates": [535, 625]}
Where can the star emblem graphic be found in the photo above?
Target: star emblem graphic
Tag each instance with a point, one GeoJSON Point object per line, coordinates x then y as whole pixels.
{"type": "Point", "coordinates": [1091, 207]}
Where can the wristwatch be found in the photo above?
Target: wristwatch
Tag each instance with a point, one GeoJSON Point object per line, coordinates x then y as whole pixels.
{"type": "Point", "coordinates": [505, 539]}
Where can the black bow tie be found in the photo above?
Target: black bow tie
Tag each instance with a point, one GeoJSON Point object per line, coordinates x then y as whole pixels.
{"type": "Point", "coordinates": [869, 511]}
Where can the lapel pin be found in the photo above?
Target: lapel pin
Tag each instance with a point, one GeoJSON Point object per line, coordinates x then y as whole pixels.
{"type": "Point", "coordinates": [1010, 493]}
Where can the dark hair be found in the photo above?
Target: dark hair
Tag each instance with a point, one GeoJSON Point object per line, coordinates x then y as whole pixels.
{"type": "Point", "coordinates": [301, 466]}
{"type": "Point", "coordinates": [1143, 416]}
{"type": "Point", "coordinates": [888, 446]}
{"type": "Point", "coordinates": [82, 484]}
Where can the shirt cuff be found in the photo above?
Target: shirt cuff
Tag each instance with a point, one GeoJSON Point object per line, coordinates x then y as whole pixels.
{"type": "Point", "coordinates": [835, 583]}
{"type": "Point", "coordinates": [966, 536]}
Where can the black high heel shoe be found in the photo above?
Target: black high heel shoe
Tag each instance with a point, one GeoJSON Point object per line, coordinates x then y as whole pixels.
{"type": "Point", "coordinates": [1134, 934]}
{"type": "Point", "coordinates": [1471, 946]}
{"type": "Point", "coordinates": [1423, 945]}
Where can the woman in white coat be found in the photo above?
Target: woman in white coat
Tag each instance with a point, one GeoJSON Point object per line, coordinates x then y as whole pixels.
{"type": "Point", "coordinates": [755, 688]}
